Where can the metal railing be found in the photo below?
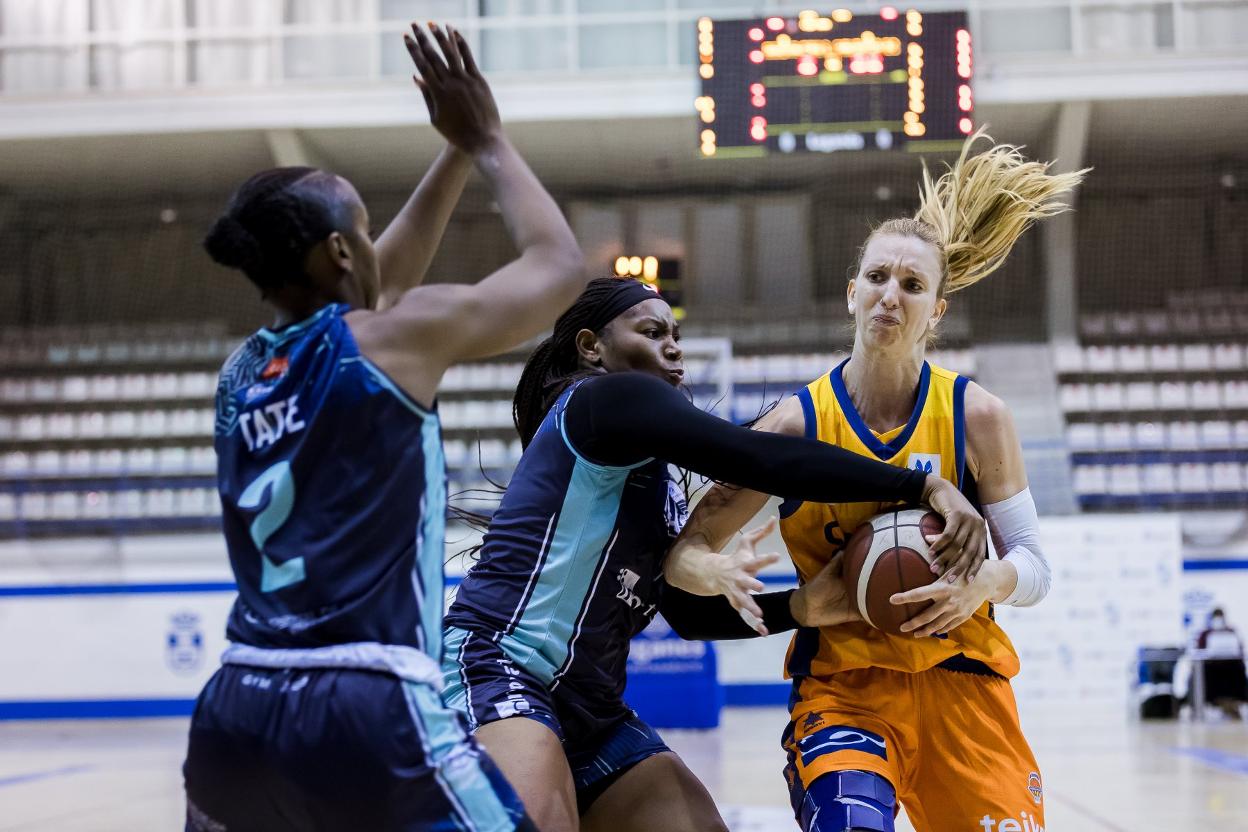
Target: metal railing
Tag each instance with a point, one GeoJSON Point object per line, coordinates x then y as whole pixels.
{"type": "Point", "coordinates": [126, 45]}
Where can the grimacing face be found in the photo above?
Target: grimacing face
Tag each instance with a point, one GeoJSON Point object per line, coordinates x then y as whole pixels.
{"type": "Point", "coordinates": [894, 298]}
{"type": "Point", "coordinates": [643, 338]}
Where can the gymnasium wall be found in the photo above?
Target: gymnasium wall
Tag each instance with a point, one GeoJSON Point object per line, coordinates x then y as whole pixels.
{"type": "Point", "coordinates": [134, 626]}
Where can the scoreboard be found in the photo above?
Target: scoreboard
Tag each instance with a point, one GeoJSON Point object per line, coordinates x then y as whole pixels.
{"type": "Point", "coordinates": [838, 81]}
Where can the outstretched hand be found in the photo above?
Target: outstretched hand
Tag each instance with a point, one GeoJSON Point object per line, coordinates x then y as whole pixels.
{"type": "Point", "coordinates": [958, 551]}
{"type": "Point", "coordinates": [461, 105]}
{"type": "Point", "coordinates": [735, 575]}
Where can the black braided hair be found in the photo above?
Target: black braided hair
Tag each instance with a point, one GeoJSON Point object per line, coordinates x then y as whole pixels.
{"type": "Point", "coordinates": [556, 363]}
{"type": "Point", "coordinates": [273, 220]}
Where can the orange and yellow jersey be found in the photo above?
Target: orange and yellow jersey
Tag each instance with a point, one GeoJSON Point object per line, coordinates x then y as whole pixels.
{"type": "Point", "coordinates": [933, 440]}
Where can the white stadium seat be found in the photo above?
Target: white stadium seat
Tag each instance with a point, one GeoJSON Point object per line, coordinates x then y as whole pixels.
{"type": "Point", "coordinates": [1196, 357]}
{"type": "Point", "coordinates": [1100, 359]}
{"type": "Point", "coordinates": [1081, 436]}
{"type": "Point", "coordinates": [1068, 358]}
{"type": "Point", "coordinates": [1124, 479]}
{"type": "Point", "coordinates": [1089, 479]}
{"type": "Point", "coordinates": [1132, 358]}
{"type": "Point", "coordinates": [1163, 357]}
{"type": "Point", "coordinates": [1150, 436]}
{"type": "Point", "coordinates": [1140, 395]}
{"type": "Point", "coordinates": [1117, 436]}
{"type": "Point", "coordinates": [1193, 477]}
{"type": "Point", "coordinates": [1172, 395]}
{"type": "Point", "coordinates": [1228, 357]}
{"type": "Point", "coordinates": [1107, 397]}
{"type": "Point", "coordinates": [1157, 478]}
{"type": "Point", "coordinates": [1225, 476]}
{"type": "Point", "coordinates": [1216, 435]}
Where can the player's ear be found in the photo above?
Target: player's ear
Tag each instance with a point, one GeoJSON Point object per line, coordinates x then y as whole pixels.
{"type": "Point", "coordinates": [937, 313]}
{"type": "Point", "coordinates": [849, 294]}
{"type": "Point", "coordinates": [589, 348]}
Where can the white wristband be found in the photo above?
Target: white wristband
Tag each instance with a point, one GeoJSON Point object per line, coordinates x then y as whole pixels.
{"type": "Point", "coordinates": [1015, 529]}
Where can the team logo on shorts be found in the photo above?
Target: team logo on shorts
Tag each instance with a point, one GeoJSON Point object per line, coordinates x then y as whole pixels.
{"type": "Point", "coordinates": [1034, 786]}
{"type": "Point", "coordinates": [840, 738]}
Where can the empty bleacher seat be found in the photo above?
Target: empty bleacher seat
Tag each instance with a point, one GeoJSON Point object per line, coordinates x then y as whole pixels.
{"type": "Point", "coordinates": [1068, 358]}
{"type": "Point", "coordinates": [1235, 395]}
{"type": "Point", "coordinates": [1172, 395]}
{"type": "Point", "coordinates": [1150, 436]}
{"type": "Point", "coordinates": [1089, 479]}
{"type": "Point", "coordinates": [1157, 478]}
{"type": "Point", "coordinates": [1196, 357]}
{"type": "Point", "coordinates": [1193, 477]}
{"type": "Point", "coordinates": [1140, 395]}
{"type": "Point", "coordinates": [105, 388]}
{"type": "Point", "coordinates": [1182, 436]}
{"type": "Point", "coordinates": [1132, 358]}
{"type": "Point", "coordinates": [1075, 398]}
{"type": "Point", "coordinates": [1107, 396]}
{"type": "Point", "coordinates": [1205, 395]}
{"type": "Point", "coordinates": [1117, 436]}
{"type": "Point", "coordinates": [1081, 436]}
{"type": "Point", "coordinates": [1239, 431]}
{"type": "Point", "coordinates": [1163, 358]}
{"type": "Point", "coordinates": [1100, 359]}
{"type": "Point", "coordinates": [1228, 357]}
{"type": "Point", "coordinates": [1225, 477]}
{"type": "Point", "coordinates": [1216, 435]}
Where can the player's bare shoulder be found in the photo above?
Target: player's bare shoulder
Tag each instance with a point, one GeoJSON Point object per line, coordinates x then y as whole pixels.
{"type": "Point", "coordinates": [786, 418]}
{"type": "Point", "coordinates": [985, 412]}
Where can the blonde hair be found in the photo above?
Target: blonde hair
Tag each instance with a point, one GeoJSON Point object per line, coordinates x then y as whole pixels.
{"type": "Point", "coordinates": [979, 207]}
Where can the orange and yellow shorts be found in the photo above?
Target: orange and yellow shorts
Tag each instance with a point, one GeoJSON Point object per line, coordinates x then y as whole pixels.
{"type": "Point", "coordinates": [949, 743]}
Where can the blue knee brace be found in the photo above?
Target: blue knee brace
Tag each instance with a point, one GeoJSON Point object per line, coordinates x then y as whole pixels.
{"type": "Point", "coordinates": [840, 801]}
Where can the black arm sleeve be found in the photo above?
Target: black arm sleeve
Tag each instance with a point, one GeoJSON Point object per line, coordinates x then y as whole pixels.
{"type": "Point", "coordinates": [702, 618]}
{"type": "Point", "coordinates": [623, 418]}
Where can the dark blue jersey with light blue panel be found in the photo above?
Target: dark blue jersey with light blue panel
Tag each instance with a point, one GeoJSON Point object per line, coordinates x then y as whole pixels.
{"type": "Point", "coordinates": [571, 567]}
{"type": "Point", "coordinates": [333, 489]}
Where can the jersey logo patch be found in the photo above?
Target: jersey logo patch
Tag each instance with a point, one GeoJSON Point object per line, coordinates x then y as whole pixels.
{"type": "Point", "coordinates": [675, 508]}
{"type": "Point", "coordinates": [276, 368]}
{"type": "Point", "coordinates": [927, 463]}
{"type": "Point", "coordinates": [840, 738]}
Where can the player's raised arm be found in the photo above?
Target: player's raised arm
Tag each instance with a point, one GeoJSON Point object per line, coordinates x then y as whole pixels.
{"type": "Point", "coordinates": [460, 322]}
{"type": "Point", "coordinates": [407, 245]}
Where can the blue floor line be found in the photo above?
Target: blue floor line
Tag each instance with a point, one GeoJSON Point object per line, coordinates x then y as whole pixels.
{"type": "Point", "coordinates": [31, 777]}
{"type": "Point", "coordinates": [1224, 760]}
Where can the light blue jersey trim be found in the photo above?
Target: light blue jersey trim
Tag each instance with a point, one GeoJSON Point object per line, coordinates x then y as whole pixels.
{"type": "Point", "coordinates": [286, 333]}
{"type": "Point", "coordinates": [467, 787]}
{"type": "Point", "coordinates": [542, 638]}
{"type": "Point", "coordinates": [428, 580]}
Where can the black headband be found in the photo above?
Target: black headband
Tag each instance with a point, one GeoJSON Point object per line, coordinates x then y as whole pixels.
{"type": "Point", "coordinates": [625, 295]}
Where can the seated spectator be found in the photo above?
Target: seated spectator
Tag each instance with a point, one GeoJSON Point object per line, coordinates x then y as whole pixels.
{"type": "Point", "coordinates": [1226, 684]}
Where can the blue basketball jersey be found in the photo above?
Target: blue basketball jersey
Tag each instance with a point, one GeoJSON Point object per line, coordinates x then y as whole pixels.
{"type": "Point", "coordinates": [571, 567]}
{"type": "Point", "coordinates": [333, 490]}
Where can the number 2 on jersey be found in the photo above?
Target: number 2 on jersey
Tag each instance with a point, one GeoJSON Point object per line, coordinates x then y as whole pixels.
{"type": "Point", "coordinates": [277, 480]}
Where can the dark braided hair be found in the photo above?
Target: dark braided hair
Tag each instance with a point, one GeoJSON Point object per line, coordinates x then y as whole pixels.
{"type": "Point", "coordinates": [273, 220]}
{"type": "Point", "coordinates": [555, 363]}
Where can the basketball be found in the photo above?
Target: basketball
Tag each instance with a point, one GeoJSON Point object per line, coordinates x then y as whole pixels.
{"type": "Point", "coordinates": [885, 555]}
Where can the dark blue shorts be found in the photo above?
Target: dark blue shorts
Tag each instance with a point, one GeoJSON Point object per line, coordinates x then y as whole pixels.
{"type": "Point", "coordinates": [601, 739]}
{"type": "Point", "coordinates": [297, 749]}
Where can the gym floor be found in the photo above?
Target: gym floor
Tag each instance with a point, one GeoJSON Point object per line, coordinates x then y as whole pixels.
{"type": "Point", "coordinates": [1101, 775]}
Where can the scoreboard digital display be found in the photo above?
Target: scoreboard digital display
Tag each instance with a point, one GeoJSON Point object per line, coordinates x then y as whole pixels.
{"type": "Point", "coordinates": [892, 80]}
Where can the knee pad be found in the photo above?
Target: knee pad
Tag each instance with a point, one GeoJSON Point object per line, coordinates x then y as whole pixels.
{"type": "Point", "coordinates": [840, 801]}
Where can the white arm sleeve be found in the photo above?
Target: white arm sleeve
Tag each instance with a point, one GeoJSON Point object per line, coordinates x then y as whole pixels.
{"type": "Point", "coordinates": [1015, 529]}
